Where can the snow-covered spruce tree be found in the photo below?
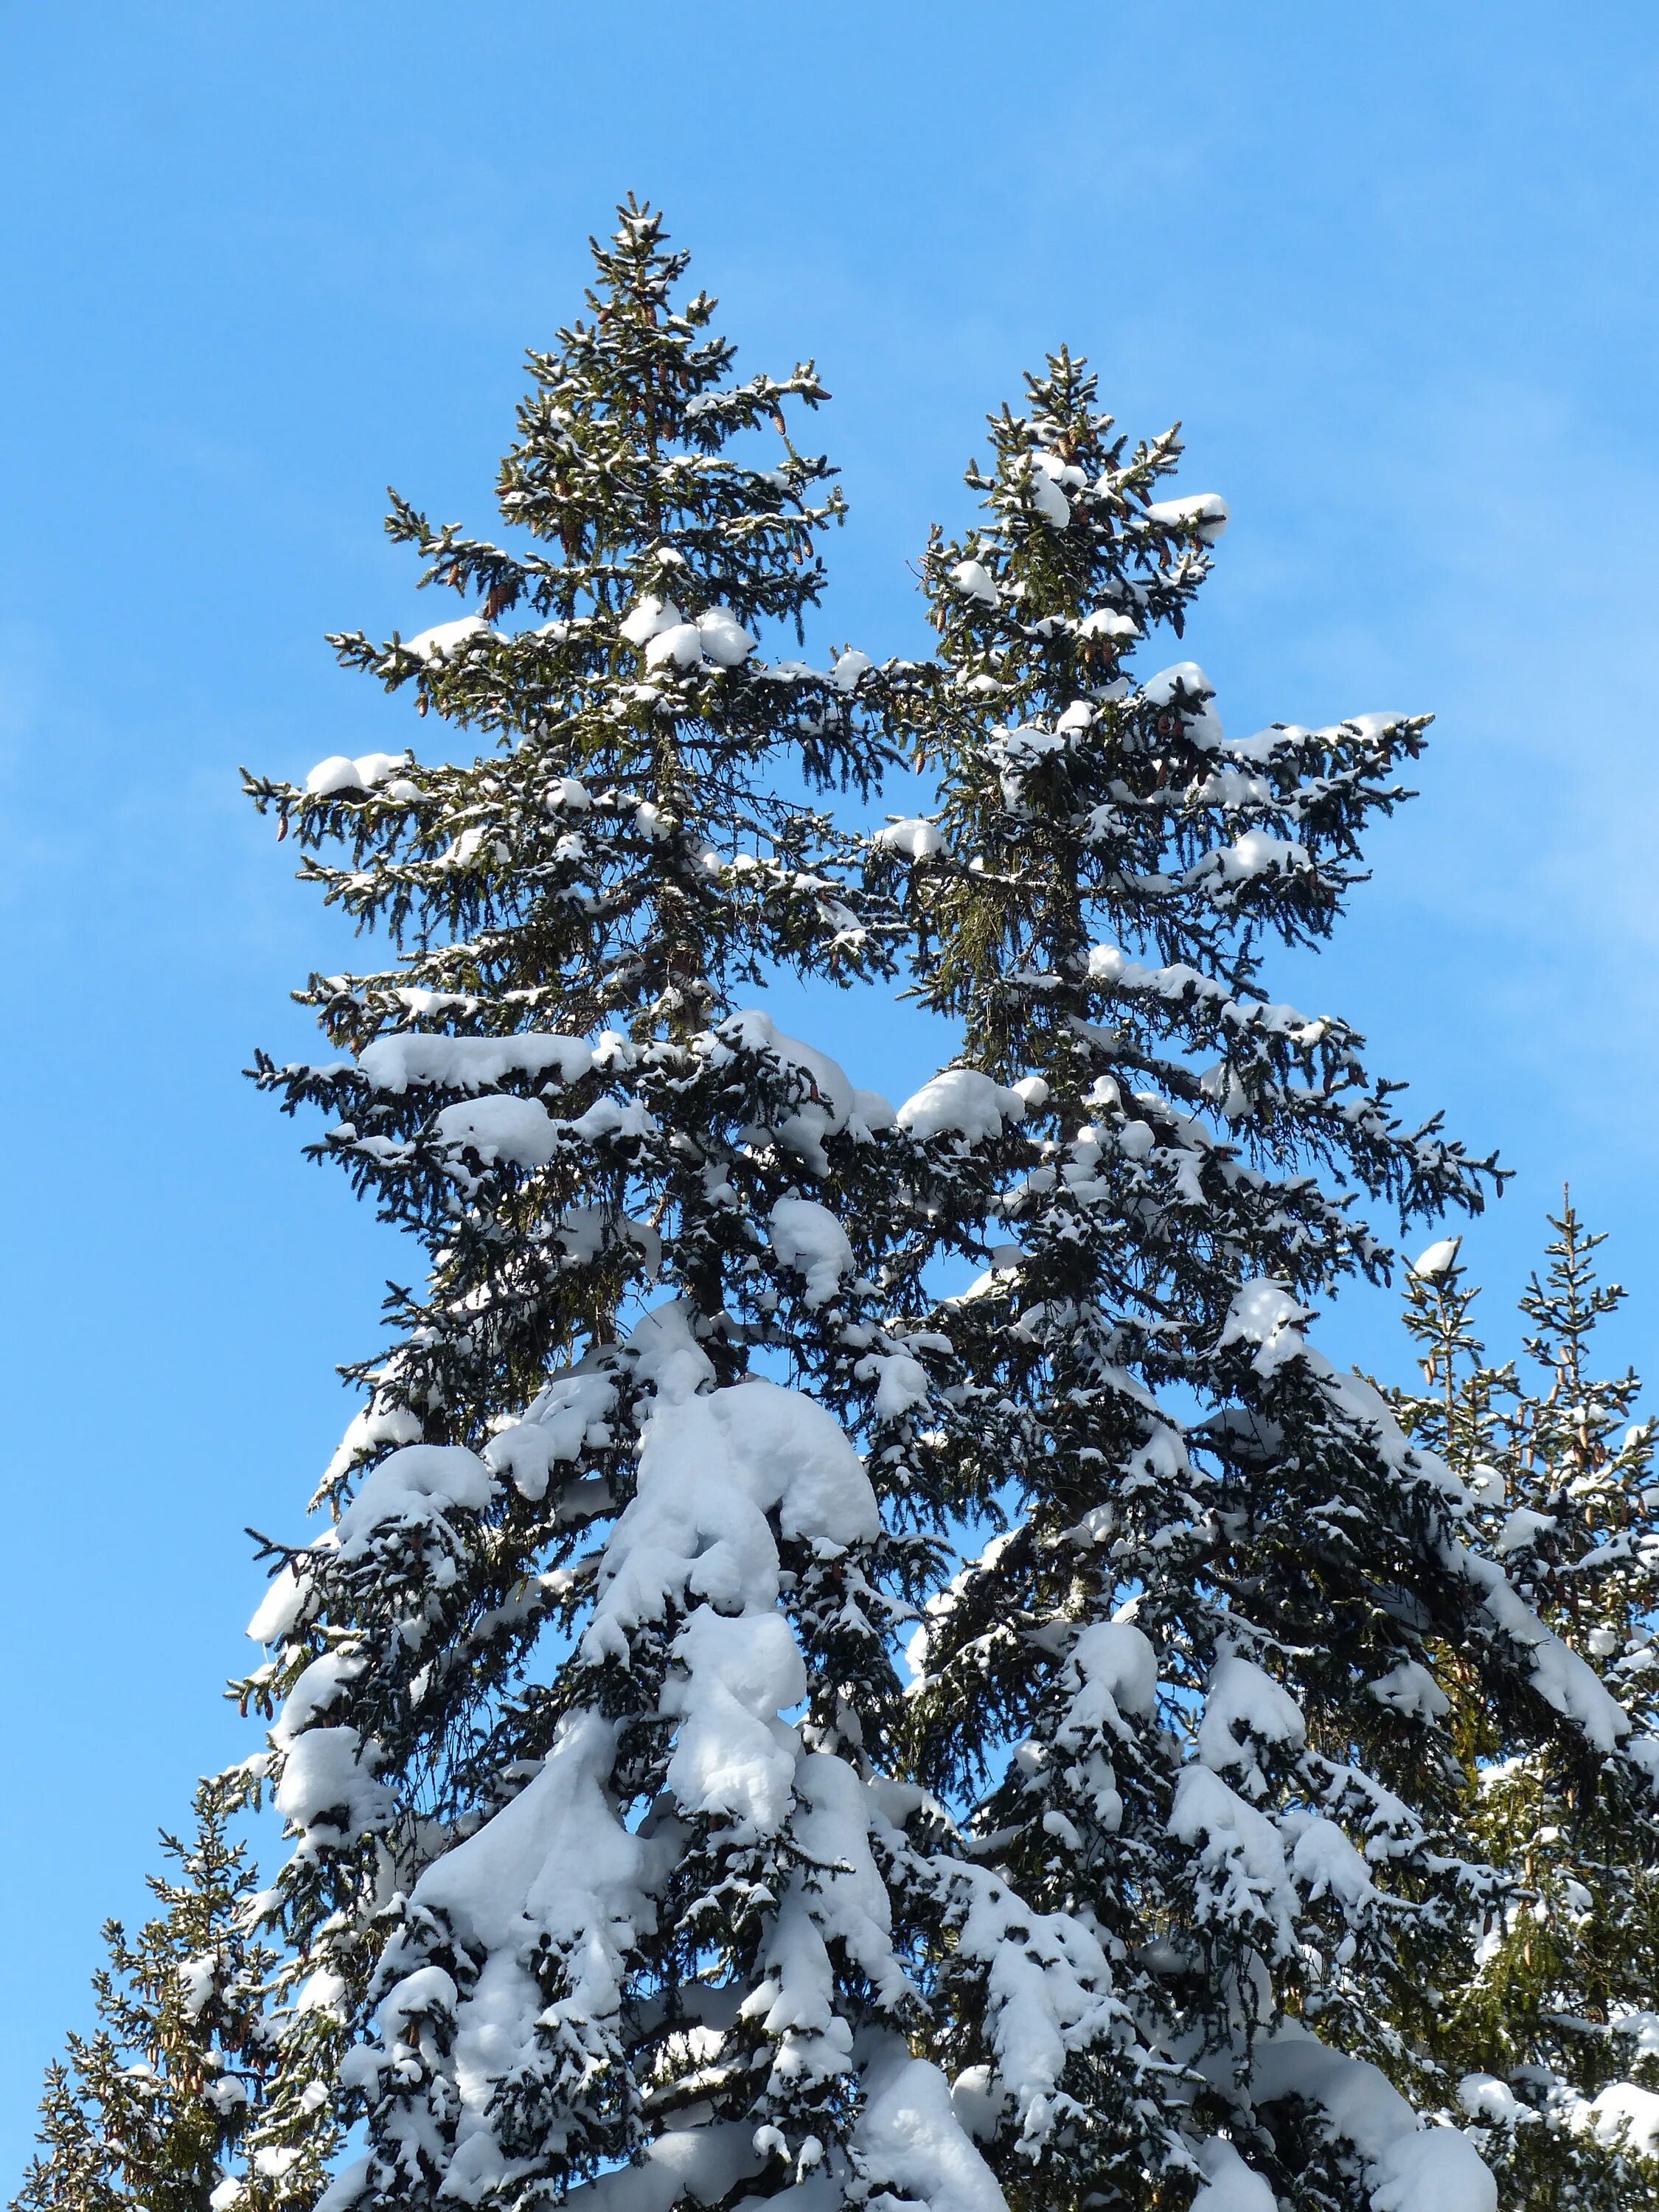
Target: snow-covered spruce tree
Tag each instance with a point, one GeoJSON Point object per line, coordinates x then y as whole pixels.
{"type": "Point", "coordinates": [1208, 1631]}
{"type": "Point", "coordinates": [146, 2114]}
{"type": "Point", "coordinates": [597, 1891]}
{"type": "Point", "coordinates": [1554, 2027]}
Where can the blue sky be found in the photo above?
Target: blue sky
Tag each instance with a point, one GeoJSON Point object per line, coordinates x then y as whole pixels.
{"type": "Point", "coordinates": [1392, 266]}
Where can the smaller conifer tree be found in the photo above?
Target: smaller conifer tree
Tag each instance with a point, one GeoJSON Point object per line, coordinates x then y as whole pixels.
{"type": "Point", "coordinates": [148, 2113]}
{"type": "Point", "coordinates": [1553, 2030]}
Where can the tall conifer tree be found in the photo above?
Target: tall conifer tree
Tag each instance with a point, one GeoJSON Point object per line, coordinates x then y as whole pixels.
{"type": "Point", "coordinates": [623, 1870]}
{"type": "Point", "coordinates": [1189, 1687]}
{"type": "Point", "coordinates": [599, 1883]}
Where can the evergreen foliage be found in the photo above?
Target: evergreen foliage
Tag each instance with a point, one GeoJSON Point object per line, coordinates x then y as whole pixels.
{"type": "Point", "coordinates": [1554, 2024]}
{"type": "Point", "coordinates": [567, 1889]}
{"type": "Point", "coordinates": [1189, 1687]}
{"type": "Point", "coordinates": [629, 1863]}
{"type": "Point", "coordinates": [150, 2109]}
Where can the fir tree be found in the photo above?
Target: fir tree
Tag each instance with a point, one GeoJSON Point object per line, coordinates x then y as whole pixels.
{"type": "Point", "coordinates": [623, 1870]}
{"type": "Point", "coordinates": [1554, 2024]}
{"type": "Point", "coordinates": [583, 1704]}
{"type": "Point", "coordinates": [1188, 1689]}
{"type": "Point", "coordinates": [147, 2114]}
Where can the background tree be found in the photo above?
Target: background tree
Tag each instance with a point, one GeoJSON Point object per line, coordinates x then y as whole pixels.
{"type": "Point", "coordinates": [147, 2114]}
{"type": "Point", "coordinates": [1554, 2026]}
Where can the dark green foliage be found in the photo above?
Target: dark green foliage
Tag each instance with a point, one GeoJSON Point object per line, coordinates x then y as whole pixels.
{"type": "Point", "coordinates": [150, 2113]}
{"type": "Point", "coordinates": [1283, 1831]}
{"type": "Point", "coordinates": [617, 1836]}
{"type": "Point", "coordinates": [1558, 2002]}
{"type": "Point", "coordinates": [557, 1092]}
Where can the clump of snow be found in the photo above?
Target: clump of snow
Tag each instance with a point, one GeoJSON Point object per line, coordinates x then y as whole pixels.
{"type": "Point", "coordinates": [1438, 1259]}
{"type": "Point", "coordinates": [1327, 1865]}
{"type": "Point", "coordinates": [1044, 473]}
{"type": "Point", "coordinates": [712, 1466]}
{"type": "Point", "coordinates": [1263, 1313]}
{"type": "Point", "coordinates": [1104, 621]}
{"type": "Point", "coordinates": [1115, 1670]}
{"type": "Point", "coordinates": [444, 641]}
{"type": "Point", "coordinates": [369, 1427]}
{"type": "Point", "coordinates": [554, 1871]}
{"type": "Point", "coordinates": [327, 1791]}
{"type": "Point", "coordinates": [808, 1238]}
{"type": "Point", "coordinates": [414, 1488]}
{"type": "Point", "coordinates": [428, 1989]}
{"type": "Point", "coordinates": [973, 579]}
{"type": "Point", "coordinates": [1409, 1689]}
{"type": "Point", "coordinates": [1240, 1857]}
{"type": "Point", "coordinates": [1522, 1529]}
{"type": "Point", "coordinates": [337, 772]}
{"type": "Point", "coordinates": [1484, 2097]}
{"type": "Point", "coordinates": [1228, 2183]}
{"type": "Point", "coordinates": [836, 1891]}
{"type": "Point", "coordinates": [197, 1978]}
{"type": "Point", "coordinates": [499, 1127]}
{"type": "Point", "coordinates": [652, 615]}
{"type": "Point", "coordinates": [1203, 724]}
{"type": "Point", "coordinates": [848, 667]}
{"type": "Point", "coordinates": [1409, 2167]}
{"type": "Point", "coordinates": [832, 1099]}
{"type": "Point", "coordinates": [917, 839]}
{"type": "Point", "coordinates": [1625, 2113]}
{"type": "Point", "coordinates": [285, 1599]}
{"type": "Point", "coordinates": [680, 645]}
{"type": "Point", "coordinates": [1206, 511]}
{"type": "Point", "coordinates": [414, 1056]}
{"type": "Point", "coordinates": [734, 1759]}
{"type": "Point", "coordinates": [724, 641]}
{"type": "Point", "coordinates": [871, 1112]}
{"type": "Point", "coordinates": [570, 1413]}
{"type": "Point", "coordinates": [1566, 1682]}
{"type": "Point", "coordinates": [910, 2137]}
{"type": "Point", "coordinates": [1244, 1707]}
{"type": "Point", "coordinates": [1110, 1675]}
{"type": "Point", "coordinates": [704, 2163]}
{"type": "Point", "coordinates": [962, 1103]}
{"type": "Point", "coordinates": [320, 1686]}
{"type": "Point", "coordinates": [1049, 1988]}
{"type": "Point", "coordinates": [667, 636]}
{"type": "Point", "coordinates": [901, 1382]}
{"type": "Point", "coordinates": [1252, 853]}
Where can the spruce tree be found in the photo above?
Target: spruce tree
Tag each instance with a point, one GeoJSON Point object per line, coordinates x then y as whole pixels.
{"type": "Point", "coordinates": [624, 1867]}
{"type": "Point", "coordinates": [148, 2113]}
{"type": "Point", "coordinates": [601, 1884]}
{"type": "Point", "coordinates": [1188, 1695]}
{"type": "Point", "coordinates": [1554, 2026]}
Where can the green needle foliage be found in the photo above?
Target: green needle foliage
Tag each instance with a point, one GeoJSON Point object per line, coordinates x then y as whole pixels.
{"type": "Point", "coordinates": [752, 1726]}
{"type": "Point", "coordinates": [1555, 2023]}
{"type": "Point", "coordinates": [1188, 1691]}
{"type": "Point", "coordinates": [151, 2109]}
{"type": "Point", "coordinates": [634, 1193]}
